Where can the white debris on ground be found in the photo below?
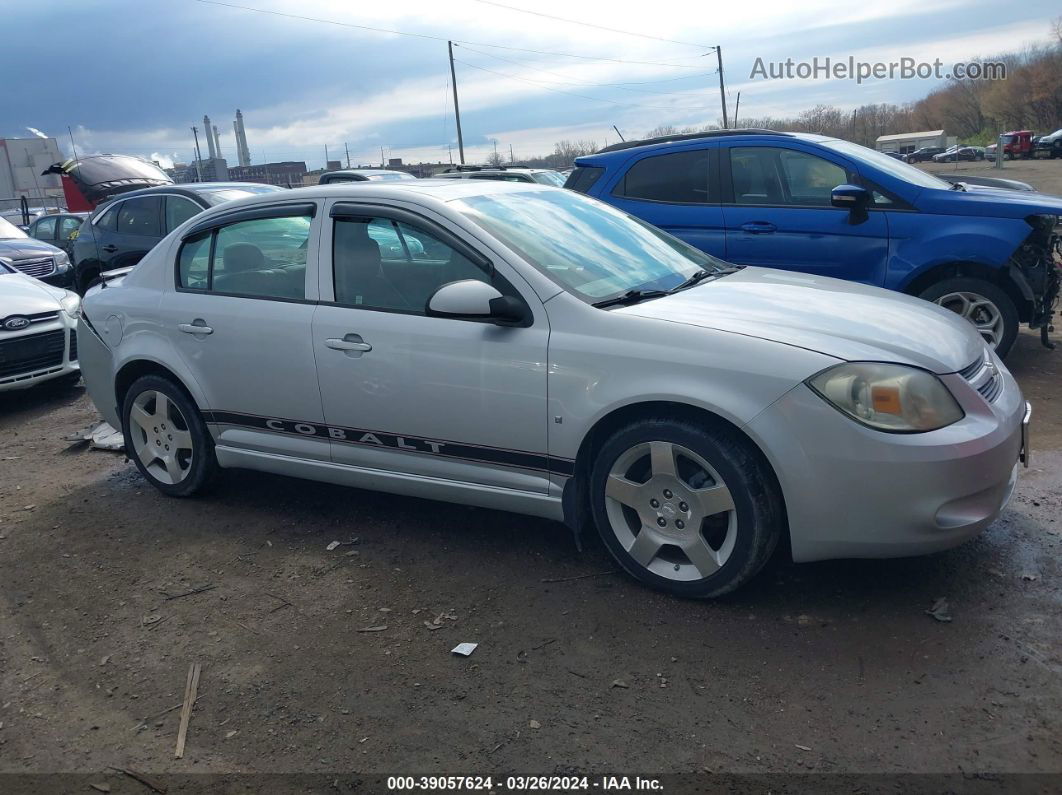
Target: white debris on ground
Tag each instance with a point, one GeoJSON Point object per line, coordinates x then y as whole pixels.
{"type": "Point", "coordinates": [100, 436]}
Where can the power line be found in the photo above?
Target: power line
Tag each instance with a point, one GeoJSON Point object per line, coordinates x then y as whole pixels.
{"type": "Point", "coordinates": [547, 87]}
{"type": "Point", "coordinates": [592, 25]}
{"type": "Point", "coordinates": [620, 86]}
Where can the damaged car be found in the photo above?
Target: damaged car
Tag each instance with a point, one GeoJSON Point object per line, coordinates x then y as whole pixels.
{"type": "Point", "coordinates": [527, 348]}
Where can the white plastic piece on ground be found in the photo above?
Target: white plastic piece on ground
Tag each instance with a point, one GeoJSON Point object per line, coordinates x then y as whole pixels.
{"type": "Point", "coordinates": [464, 649]}
{"type": "Point", "coordinates": [101, 436]}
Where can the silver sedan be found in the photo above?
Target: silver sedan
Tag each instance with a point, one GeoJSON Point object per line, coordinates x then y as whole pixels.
{"type": "Point", "coordinates": [530, 349]}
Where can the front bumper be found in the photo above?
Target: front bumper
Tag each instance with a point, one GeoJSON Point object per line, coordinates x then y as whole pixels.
{"type": "Point", "coordinates": [63, 279]}
{"type": "Point", "coordinates": [44, 364]}
{"type": "Point", "coordinates": [853, 492]}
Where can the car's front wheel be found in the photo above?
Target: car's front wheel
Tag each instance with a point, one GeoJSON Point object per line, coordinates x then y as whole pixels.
{"type": "Point", "coordinates": [986, 306]}
{"type": "Point", "coordinates": [685, 509]}
{"type": "Point", "coordinates": [166, 437]}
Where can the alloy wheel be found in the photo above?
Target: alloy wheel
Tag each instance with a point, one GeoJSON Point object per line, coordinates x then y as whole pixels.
{"type": "Point", "coordinates": [671, 511]}
{"type": "Point", "coordinates": [160, 437]}
{"type": "Point", "coordinates": [978, 310]}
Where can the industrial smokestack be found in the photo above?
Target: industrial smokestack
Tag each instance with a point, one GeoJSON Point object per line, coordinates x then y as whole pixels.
{"type": "Point", "coordinates": [207, 128]}
{"type": "Point", "coordinates": [217, 141]}
{"type": "Point", "coordinates": [243, 154]}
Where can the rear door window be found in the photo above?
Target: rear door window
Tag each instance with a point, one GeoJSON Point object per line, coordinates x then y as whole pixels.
{"type": "Point", "coordinates": [45, 229]}
{"type": "Point", "coordinates": [179, 210]}
{"type": "Point", "coordinates": [675, 178]}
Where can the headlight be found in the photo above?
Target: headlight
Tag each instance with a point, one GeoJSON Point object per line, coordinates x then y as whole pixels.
{"type": "Point", "coordinates": [62, 262]}
{"type": "Point", "coordinates": [888, 397]}
{"type": "Point", "coordinates": [71, 304]}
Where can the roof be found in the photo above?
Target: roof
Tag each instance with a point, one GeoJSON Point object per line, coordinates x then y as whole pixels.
{"type": "Point", "coordinates": [909, 136]}
{"type": "Point", "coordinates": [677, 137]}
{"type": "Point", "coordinates": [492, 170]}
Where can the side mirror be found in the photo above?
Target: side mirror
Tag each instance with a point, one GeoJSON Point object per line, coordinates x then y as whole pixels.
{"type": "Point", "coordinates": [850, 197]}
{"type": "Point", "coordinates": [475, 300]}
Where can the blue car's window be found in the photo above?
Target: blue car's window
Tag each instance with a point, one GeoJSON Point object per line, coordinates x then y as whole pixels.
{"type": "Point", "coordinates": [890, 165]}
{"type": "Point", "coordinates": [768, 175]}
{"type": "Point", "coordinates": [677, 178]}
{"type": "Point", "coordinates": [588, 248]}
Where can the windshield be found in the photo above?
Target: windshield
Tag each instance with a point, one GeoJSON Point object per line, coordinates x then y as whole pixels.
{"type": "Point", "coordinates": [549, 178]}
{"type": "Point", "coordinates": [890, 165]}
{"type": "Point", "coordinates": [215, 197]}
{"type": "Point", "coordinates": [8, 231]}
{"type": "Point", "coordinates": [586, 247]}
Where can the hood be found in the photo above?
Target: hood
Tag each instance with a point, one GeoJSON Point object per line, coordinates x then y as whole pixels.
{"type": "Point", "coordinates": [842, 319]}
{"type": "Point", "coordinates": [26, 248]}
{"type": "Point", "coordinates": [23, 295]}
{"type": "Point", "coordinates": [990, 203]}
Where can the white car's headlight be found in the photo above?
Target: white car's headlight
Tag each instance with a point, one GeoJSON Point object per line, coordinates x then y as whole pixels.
{"type": "Point", "coordinates": [71, 303]}
{"type": "Point", "coordinates": [888, 397]}
{"type": "Point", "coordinates": [62, 262]}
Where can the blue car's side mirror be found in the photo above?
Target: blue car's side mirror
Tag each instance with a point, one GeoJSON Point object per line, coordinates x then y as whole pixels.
{"type": "Point", "coordinates": [850, 197]}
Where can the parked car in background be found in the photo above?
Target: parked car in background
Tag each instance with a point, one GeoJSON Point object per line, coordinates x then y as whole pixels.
{"type": "Point", "coordinates": [119, 233]}
{"type": "Point", "coordinates": [833, 208]}
{"type": "Point", "coordinates": [1016, 143]}
{"type": "Point", "coordinates": [38, 322]}
{"type": "Point", "coordinates": [60, 230]}
{"type": "Point", "coordinates": [985, 182]}
{"type": "Point", "coordinates": [34, 257]}
{"type": "Point", "coordinates": [955, 153]}
{"type": "Point", "coordinates": [896, 155]}
{"type": "Point", "coordinates": [542, 176]}
{"type": "Point", "coordinates": [1049, 145]}
{"type": "Point", "coordinates": [924, 154]}
{"type": "Point", "coordinates": [576, 364]}
{"type": "Point", "coordinates": [362, 175]}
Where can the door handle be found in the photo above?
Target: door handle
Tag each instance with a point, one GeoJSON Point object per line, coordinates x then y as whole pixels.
{"type": "Point", "coordinates": [110, 248]}
{"type": "Point", "coordinates": [758, 227]}
{"type": "Point", "coordinates": [195, 327]}
{"type": "Point", "coordinates": [350, 342]}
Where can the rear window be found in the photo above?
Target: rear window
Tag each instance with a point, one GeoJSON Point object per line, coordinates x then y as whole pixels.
{"type": "Point", "coordinates": [583, 178]}
{"type": "Point", "coordinates": [676, 178]}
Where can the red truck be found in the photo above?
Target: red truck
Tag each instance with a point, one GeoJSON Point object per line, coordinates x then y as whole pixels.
{"type": "Point", "coordinates": [1016, 143]}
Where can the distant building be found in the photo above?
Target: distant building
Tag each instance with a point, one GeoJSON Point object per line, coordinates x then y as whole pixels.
{"type": "Point", "coordinates": [21, 162]}
{"type": "Point", "coordinates": [285, 174]}
{"type": "Point", "coordinates": [908, 142]}
{"type": "Point", "coordinates": [333, 165]}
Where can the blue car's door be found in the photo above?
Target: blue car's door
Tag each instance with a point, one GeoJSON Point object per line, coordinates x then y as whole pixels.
{"type": "Point", "coordinates": [675, 192]}
{"type": "Point", "coordinates": [777, 213]}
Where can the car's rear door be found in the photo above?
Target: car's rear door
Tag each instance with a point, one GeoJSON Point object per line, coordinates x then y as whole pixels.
{"type": "Point", "coordinates": [138, 228]}
{"type": "Point", "coordinates": [458, 400]}
{"type": "Point", "coordinates": [239, 314]}
{"type": "Point", "coordinates": [776, 205]}
{"type": "Point", "coordinates": [674, 191]}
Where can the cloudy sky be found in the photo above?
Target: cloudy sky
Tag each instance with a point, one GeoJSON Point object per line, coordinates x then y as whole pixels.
{"type": "Point", "coordinates": [133, 76]}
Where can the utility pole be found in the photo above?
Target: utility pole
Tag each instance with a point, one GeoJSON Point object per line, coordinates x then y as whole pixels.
{"type": "Point", "coordinates": [495, 150]}
{"type": "Point", "coordinates": [347, 150]}
{"type": "Point", "coordinates": [737, 107]}
{"type": "Point", "coordinates": [722, 90]}
{"type": "Point", "coordinates": [457, 109]}
{"type": "Point", "coordinates": [614, 127]}
{"type": "Point", "coordinates": [73, 148]}
{"type": "Point", "coordinates": [382, 161]}
{"type": "Point", "coordinates": [512, 157]}
{"type": "Point", "coordinates": [326, 155]}
{"type": "Point", "coordinates": [198, 156]}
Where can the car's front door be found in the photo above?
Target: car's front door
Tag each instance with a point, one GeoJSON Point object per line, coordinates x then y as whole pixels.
{"type": "Point", "coordinates": [239, 315]}
{"type": "Point", "coordinates": [778, 215]}
{"type": "Point", "coordinates": [457, 400]}
{"type": "Point", "coordinates": [673, 191]}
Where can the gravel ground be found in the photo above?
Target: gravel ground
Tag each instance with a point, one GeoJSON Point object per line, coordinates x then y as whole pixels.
{"type": "Point", "coordinates": [317, 660]}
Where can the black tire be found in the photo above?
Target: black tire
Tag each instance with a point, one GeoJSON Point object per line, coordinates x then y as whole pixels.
{"type": "Point", "coordinates": [757, 500]}
{"type": "Point", "coordinates": [1007, 310]}
{"type": "Point", "coordinates": [202, 464]}
{"type": "Point", "coordinates": [84, 280]}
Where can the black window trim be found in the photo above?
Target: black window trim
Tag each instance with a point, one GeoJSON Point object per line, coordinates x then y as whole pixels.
{"type": "Point", "coordinates": [215, 223]}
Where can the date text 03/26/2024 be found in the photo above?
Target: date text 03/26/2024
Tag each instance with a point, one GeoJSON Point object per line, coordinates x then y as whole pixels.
{"type": "Point", "coordinates": [523, 783]}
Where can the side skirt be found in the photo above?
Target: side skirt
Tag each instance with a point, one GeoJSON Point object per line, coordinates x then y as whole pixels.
{"type": "Point", "coordinates": [525, 502]}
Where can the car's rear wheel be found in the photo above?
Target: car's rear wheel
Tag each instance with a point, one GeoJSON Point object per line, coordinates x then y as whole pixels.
{"type": "Point", "coordinates": [986, 306]}
{"type": "Point", "coordinates": [166, 437]}
{"type": "Point", "coordinates": [685, 509]}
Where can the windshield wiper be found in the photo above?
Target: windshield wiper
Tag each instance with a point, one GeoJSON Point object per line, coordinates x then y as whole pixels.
{"type": "Point", "coordinates": [702, 274]}
{"type": "Point", "coordinates": [630, 297]}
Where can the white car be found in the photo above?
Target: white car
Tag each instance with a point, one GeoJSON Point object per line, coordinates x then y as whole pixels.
{"type": "Point", "coordinates": [38, 322]}
{"type": "Point", "coordinates": [541, 352]}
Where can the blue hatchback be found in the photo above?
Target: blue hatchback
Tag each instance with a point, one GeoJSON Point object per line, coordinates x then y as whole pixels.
{"type": "Point", "coordinates": [834, 208]}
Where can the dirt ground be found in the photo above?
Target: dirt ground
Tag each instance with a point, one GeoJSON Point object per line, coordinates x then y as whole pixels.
{"type": "Point", "coordinates": [1044, 175]}
{"type": "Point", "coordinates": [326, 661]}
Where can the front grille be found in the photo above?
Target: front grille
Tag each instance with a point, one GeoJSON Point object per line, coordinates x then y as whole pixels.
{"type": "Point", "coordinates": [73, 345]}
{"type": "Point", "coordinates": [40, 266]}
{"type": "Point", "coordinates": [984, 377]}
{"type": "Point", "coordinates": [991, 388]}
{"type": "Point", "coordinates": [32, 352]}
{"type": "Point", "coordinates": [973, 368]}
